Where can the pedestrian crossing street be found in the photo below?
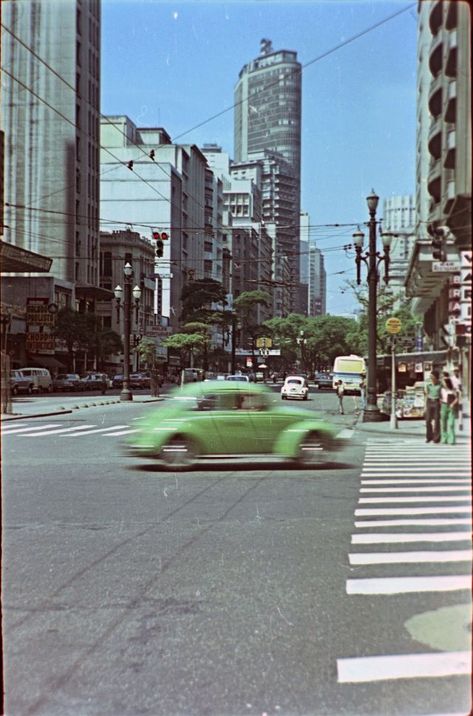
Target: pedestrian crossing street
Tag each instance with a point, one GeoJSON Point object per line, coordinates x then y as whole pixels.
{"type": "Point", "coordinates": [33, 430]}
{"type": "Point", "coordinates": [411, 493]}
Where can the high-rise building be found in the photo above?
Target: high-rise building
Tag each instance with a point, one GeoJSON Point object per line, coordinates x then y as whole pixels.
{"type": "Point", "coordinates": [399, 217]}
{"type": "Point", "coordinates": [317, 282]}
{"type": "Point", "coordinates": [50, 116]}
{"type": "Point", "coordinates": [268, 129]}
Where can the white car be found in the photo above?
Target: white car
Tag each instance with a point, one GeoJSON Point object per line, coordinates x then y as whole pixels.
{"type": "Point", "coordinates": [240, 377]}
{"type": "Point", "coordinates": [295, 386]}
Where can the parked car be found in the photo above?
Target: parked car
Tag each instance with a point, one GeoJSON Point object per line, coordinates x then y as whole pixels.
{"type": "Point", "coordinates": [20, 383]}
{"type": "Point", "coordinates": [39, 379]}
{"type": "Point", "coordinates": [95, 381]}
{"type": "Point", "coordinates": [323, 381]}
{"type": "Point", "coordinates": [67, 382]}
{"type": "Point", "coordinates": [231, 418]}
{"type": "Point", "coordinates": [239, 377]}
{"type": "Point", "coordinates": [117, 380]}
{"type": "Point", "coordinates": [140, 380]}
{"type": "Point", "coordinates": [295, 386]}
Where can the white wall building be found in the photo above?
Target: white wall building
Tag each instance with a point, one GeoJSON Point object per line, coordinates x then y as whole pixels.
{"type": "Point", "coordinates": [399, 215]}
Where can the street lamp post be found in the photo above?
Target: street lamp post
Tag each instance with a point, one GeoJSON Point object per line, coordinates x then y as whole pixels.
{"type": "Point", "coordinates": [126, 292]}
{"type": "Point", "coordinates": [301, 341]}
{"type": "Point", "coordinates": [372, 259]}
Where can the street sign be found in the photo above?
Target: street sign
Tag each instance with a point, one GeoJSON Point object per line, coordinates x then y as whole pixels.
{"type": "Point", "coordinates": [393, 325]}
{"type": "Point", "coordinates": [444, 266]}
{"type": "Point", "coordinates": [264, 342]}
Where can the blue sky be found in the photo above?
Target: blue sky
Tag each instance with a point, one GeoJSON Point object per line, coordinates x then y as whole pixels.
{"type": "Point", "coordinates": [175, 64]}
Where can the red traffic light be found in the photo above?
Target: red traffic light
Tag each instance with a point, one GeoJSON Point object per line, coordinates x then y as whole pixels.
{"type": "Point", "coordinates": [164, 236]}
{"type": "Point", "coordinates": [160, 236]}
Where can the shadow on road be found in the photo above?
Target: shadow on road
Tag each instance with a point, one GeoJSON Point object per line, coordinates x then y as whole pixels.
{"type": "Point", "coordinates": [226, 466]}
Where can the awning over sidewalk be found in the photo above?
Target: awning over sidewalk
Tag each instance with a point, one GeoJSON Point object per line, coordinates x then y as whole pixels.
{"type": "Point", "coordinates": [49, 362]}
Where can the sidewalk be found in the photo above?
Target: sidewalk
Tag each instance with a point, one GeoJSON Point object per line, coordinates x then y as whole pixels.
{"type": "Point", "coordinates": [33, 407]}
{"type": "Point", "coordinates": [414, 428]}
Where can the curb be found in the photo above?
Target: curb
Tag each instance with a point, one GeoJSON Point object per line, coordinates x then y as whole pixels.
{"type": "Point", "coordinates": [65, 411]}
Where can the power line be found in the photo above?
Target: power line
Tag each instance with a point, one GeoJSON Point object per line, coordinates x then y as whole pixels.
{"type": "Point", "coordinates": [298, 70]}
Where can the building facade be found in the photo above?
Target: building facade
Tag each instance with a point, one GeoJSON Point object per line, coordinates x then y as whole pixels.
{"type": "Point", "coordinates": [442, 289]}
{"type": "Point", "coordinates": [267, 128]}
{"type": "Point", "coordinates": [317, 288]}
{"type": "Point", "coordinates": [399, 217]}
{"type": "Point", "coordinates": [50, 115]}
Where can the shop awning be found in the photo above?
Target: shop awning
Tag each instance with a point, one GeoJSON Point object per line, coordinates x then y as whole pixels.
{"type": "Point", "coordinates": [14, 259]}
{"type": "Point", "coordinates": [49, 362]}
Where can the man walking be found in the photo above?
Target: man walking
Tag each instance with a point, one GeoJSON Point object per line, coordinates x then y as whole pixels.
{"type": "Point", "coordinates": [340, 391]}
{"type": "Point", "coordinates": [432, 408]}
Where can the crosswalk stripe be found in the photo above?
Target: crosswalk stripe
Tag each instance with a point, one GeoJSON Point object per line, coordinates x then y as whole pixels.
{"type": "Point", "coordinates": [8, 428]}
{"type": "Point", "coordinates": [433, 509]}
{"type": "Point", "coordinates": [459, 555]}
{"type": "Point", "coordinates": [392, 537]}
{"type": "Point", "coordinates": [98, 430]}
{"type": "Point", "coordinates": [404, 585]}
{"type": "Point", "coordinates": [442, 488]}
{"type": "Point", "coordinates": [404, 666]}
{"type": "Point", "coordinates": [59, 431]}
{"type": "Point", "coordinates": [40, 427]}
{"type": "Point", "coordinates": [418, 481]}
{"type": "Point", "coordinates": [122, 432]}
{"type": "Point", "coordinates": [372, 500]}
{"type": "Point", "coordinates": [428, 470]}
{"type": "Point", "coordinates": [420, 522]}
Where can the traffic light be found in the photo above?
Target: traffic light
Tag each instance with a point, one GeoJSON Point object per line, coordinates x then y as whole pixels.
{"type": "Point", "coordinates": [159, 248]}
{"type": "Point", "coordinates": [159, 237]}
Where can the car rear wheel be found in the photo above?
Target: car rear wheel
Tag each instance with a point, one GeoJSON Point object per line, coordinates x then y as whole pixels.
{"type": "Point", "coordinates": [178, 453]}
{"type": "Point", "coordinates": [311, 450]}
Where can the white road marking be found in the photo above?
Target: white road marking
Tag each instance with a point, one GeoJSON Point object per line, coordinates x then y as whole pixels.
{"type": "Point", "coordinates": [459, 555]}
{"type": "Point", "coordinates": [122, 432]}
{"type": "Point", "coordinates": [409, 469]}
{"type": "Point", "coordinates": [60, 431]}
{"type": "Point", "coordinates": [363, 512]}
{"type": "Point", "coordinates": [442, 488]}
{"type": "Point", "coordinates": [404, 666]}
{"type": "Point", "coordinates": [404, 585]}
{"type": "Point", "coordinates": [418, 481]}
{"type": "Point", "coordinates": [8, 428]}
{"type": "Point", "coordinates": [98, 430]}
{"type": "Point", "coordinates": [40, 427]}
{"type": "Point", "coordinates": [345, 434]}
{"type": "Point", "coordinates": [432, 522]}
{"type": "Point", "coordinates": [372, 500]}
{"type": "Point", "coordinates": [391, 537]}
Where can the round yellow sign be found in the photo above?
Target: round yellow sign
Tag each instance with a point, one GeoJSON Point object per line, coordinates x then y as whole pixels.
{"type": "Point", "coordinates": [393, 325]}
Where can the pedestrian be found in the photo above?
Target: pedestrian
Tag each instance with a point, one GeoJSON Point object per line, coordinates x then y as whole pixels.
{"type": "Point", "coordinates": [363, 391]}
{"type": "Point", "coordinates": [432, 408]}
{"type": "Point", "coordinates": [458, 387]}
{"type": "Point", "coordinates": [340, 391]}
{"type": "Point", "coordinates": [448, 410]}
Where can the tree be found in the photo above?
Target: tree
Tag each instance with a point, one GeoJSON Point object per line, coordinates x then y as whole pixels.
{"type": "Point", "coordinates": [147, 350]}
{"type": "Point", "coordinates": [84, 332]}
{"type": "Point", "coordinates": [186, 344]}
{"type": "Point", "coordinates": [197, 298]}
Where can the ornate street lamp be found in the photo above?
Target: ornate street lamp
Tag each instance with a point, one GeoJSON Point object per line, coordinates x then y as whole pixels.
{"type": "Point", "coordinates": [126, 294]}
{"type": "Point", "coordinates": [372, 259]}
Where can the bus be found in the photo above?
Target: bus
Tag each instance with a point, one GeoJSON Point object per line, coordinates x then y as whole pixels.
{"type": "Point", "coordinates": [350, 370]}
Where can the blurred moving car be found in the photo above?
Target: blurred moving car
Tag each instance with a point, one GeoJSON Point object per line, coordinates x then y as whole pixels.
{"type": "Point", "coordinates": [20, 383]}
{"type": "Point", "coordinates": [295, 386]}
{"type": "Point", "coordinates": [239, 378]}
{"type": "Point", "coordinates": [323, 381]}
{"type": "Point", "coordinates": [67, 382]}
{"type": "Point", "coordinates": [95, 381]}
{"type": "Point", "coordinates": [231, 419]}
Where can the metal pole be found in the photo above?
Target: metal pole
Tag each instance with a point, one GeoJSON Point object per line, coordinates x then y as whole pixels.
{"type": "Point", "coordinates": [126, 392]}
{"type": "Point", "coordinates": [393, 421]}
{"type": "Point", "coordinates": [371, 412]}
{"type": "Point", "coordinates": [234, 328]}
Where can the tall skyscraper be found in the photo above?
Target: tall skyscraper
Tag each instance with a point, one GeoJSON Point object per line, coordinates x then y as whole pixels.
{"type": "Point", "coordinates": [50, 116]}
{"type": "Point", "coordinates": [268, 129]}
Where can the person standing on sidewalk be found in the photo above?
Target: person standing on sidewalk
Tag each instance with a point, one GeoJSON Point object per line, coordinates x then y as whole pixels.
{"type": "Point", "coordinates": [448, 410]}
{"type": "Point", "coordinates": [340, 392]}
{"type": "Point", "coordinates": [432, 408]}
{"type": "Point", "coordinates": [457, 386]}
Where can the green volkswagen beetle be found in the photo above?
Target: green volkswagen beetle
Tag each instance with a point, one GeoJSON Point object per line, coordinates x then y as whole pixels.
{"type": "Point", "coordinates": [231, 419]}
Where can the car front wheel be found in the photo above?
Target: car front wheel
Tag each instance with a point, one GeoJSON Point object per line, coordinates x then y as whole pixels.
{"type": "Point", "coordinates": [179, 453]}
{"type": "Point", "coordinates": [311, 450]}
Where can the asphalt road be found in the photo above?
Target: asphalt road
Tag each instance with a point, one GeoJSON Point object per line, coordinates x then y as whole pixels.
{"type": "Point", "coordinates": [221, 591]}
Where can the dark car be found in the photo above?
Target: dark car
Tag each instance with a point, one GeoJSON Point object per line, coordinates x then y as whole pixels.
{"type": "Point", "coordinates": [139, 380]}
{"type": "Point", "coordinates": [117, 380]}
{"type": "Point", "coordinates": [20, 383]}
{"type": "Point", "coordinates": [95, 381]}
{"type": "Point", "coordinates": [67, 382]}
{"type": "Point", "coordinates": [323, 381]}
